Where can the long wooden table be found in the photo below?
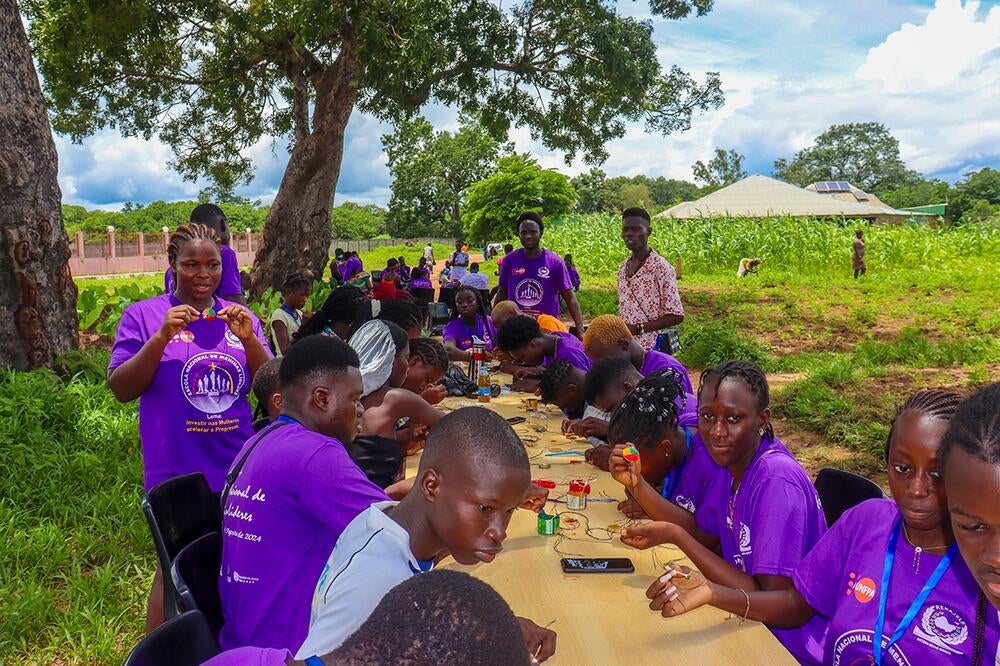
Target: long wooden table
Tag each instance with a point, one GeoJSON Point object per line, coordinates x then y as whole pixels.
{"type": "Point", "coordinates": [599, 618]}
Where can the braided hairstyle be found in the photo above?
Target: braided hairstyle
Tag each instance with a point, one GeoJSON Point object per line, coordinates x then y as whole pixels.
{"type": "Point", "coordinates": [481, 310]}
{"type": "Point", "coordinates": [748, 372]}
{"type": "Point", "coordinates": [431, 352]}
{"type": "Point", "coordinates": [648, 411]}
{"type": "Point", "coordinates": [183, 234]}
{"type": "Point", "coordinates": [932, 403]}
{"type": "Point", "coordinates": [975, 428]}
{"type": "Point", "coordinates": [553, 378]}
{"type": "Point", "coordinates": [341, 306]}
{"type": "Point", "coordinates": [296, 280]}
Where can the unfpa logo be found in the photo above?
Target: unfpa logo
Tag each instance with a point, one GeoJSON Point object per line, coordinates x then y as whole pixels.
{"type": "Point", "coordinates": [863, 590]}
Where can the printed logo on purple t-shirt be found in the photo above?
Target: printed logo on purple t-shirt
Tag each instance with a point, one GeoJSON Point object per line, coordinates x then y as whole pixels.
{"type": "Point", "coordinates": [232, 339]}
{"type": "Point", "coordinates": [685, 503]}
{"type": "Point", "coordinates": [942, 628]}
{"type": "Point", "coordinates": [543, 272]}
{"type": "Point", "coordinates": [529, 292]}
{"type": "Point", "coordinates": [212, 381]}
{"type": "Point", "coordinates": [854, 648]}
{"type": "Point", "coordinates": [864, 589]}
{"type": "Point", "coordinates": [745, 547]}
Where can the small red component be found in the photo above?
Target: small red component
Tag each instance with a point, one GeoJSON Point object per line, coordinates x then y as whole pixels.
{"type": "Point", "coordinates": [544, 483]}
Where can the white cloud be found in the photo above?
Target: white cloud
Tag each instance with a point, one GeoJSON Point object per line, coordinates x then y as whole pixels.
{"type": "Point", "coordinates": [952, 48]}
{"type": "Point", "coordinates": [930, 72]}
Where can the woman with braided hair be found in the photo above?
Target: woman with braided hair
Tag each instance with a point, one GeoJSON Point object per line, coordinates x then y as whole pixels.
{"type": "Point", "coordinates": [887, 565]}
{"type": "Point", "coordinates": [230, 282]}
{"type": "Point", "coordinates": [764, 508]}
{"type": "Point", "coordinates": [470, 325]}
{"type": "Point", "coordinates": [189, 357]}
{"type": "Point", "coordinates": [674, 473]}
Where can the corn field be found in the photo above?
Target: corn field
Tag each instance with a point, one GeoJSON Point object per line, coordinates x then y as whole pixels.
{"type": "Point", "coordinates": [715, 245]}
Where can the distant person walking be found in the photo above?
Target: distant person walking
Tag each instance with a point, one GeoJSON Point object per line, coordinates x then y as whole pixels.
{"type": "Point", "coordinates": [860, 268]}
{"type": "Point", "coordinates": [648, 299]}
{"type": "Point", "coordinates": [429, 254]}
{"type": "Point", "coordinates": [459, 260]}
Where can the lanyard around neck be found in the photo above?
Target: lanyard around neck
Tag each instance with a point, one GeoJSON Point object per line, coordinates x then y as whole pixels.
{"type": "Point", "coordinates": [883, 594]}
{"type": "Point", "coordinates": [675, 475]}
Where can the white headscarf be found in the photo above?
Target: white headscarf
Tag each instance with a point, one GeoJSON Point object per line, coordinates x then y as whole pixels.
{"type": "Point", "coordinates": [376, 350]}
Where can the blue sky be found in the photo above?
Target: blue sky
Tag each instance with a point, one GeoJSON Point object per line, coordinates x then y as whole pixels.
{"type": "Point", "coordinates": [929, 70]}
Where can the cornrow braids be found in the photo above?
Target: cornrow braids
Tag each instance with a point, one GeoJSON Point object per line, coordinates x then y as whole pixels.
{"type": "Point", "coordinates": [751, 374]}
{"type": "Point", "coordinates": [185, 233]}
{"type": "Point", "coordinates": [431, 352]}
{"type": "Point", "coordinates": [341, 306]}
{"type": "Point", "coordinates": [647, 411]}
{"type": "Point", "coordinates": [554, 376]}
{"type": "Point", "coordinates": [975, 428]}
{"type": "Point", "coordinates": [481, 310]}
{"type": "Point", "coordinates": [932, 403]}
{"type": "Point", "coordinates": [296, 280]}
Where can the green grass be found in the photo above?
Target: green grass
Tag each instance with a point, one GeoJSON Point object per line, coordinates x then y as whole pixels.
{"type": "Point", "coordinates": [75, 556]}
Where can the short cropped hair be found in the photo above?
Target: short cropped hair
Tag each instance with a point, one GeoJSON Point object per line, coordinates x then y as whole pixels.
{"type": "Point", "coordinates": [439, 617]}
{"type": "Point", "coordinates": [314, 356]}
{"type": "Point", "coordinates": [476, 433]}
{"type": "Point", "coordinates": [554, 377]}
{"type": "Point", "coordinates": [265, 381]}
{"type": "Point", "coordinates": [635, 211]}
{"type": "Point", "coordinates": [533, 217]}
{"type": "Point", "coordinates": [517, 332]}
{"type": "Point", "coordinates": [603, 374]}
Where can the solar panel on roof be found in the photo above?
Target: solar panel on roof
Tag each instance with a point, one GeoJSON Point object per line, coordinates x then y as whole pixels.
{"type": "Point", "coordinates": [844, 185]}
{"type": "Point", "coordinates": [822, 187]}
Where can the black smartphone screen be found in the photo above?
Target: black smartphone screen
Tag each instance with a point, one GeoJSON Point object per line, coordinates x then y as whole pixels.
{"type": "Point", "coordinates": [594, 565]}
{"type": "Point", "coordinates": [514, 420]}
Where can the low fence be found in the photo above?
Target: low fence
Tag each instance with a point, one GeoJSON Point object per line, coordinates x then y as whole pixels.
{"type": "Point", "coordinates": [112, 252]}
{"type": "Point", "coordinates": [368, 244]}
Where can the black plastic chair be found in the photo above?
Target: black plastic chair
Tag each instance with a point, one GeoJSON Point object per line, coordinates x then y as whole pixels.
{"type": "Point", "coordinates": [487, 302]}
{"type": "Point", "coordinates": [423, 295]}
{"type": "Point", "coordinates": [839, 491]}
{"type": "Point", "coordinates": [178, 511]}
{"type": "Point", "coordinates": [195, 574]}
{"type": "Point", "coordinates": [184, 640]}
{"type": "Point", "coordinates": [438, 317]}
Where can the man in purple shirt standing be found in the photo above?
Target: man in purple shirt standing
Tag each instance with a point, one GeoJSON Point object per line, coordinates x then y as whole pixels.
{"type": "Point", "coordinates": [530, 346]}
{"type": "Point", "coordinates": [534, 277]}
{"type": "Point", "coordinates": [290, 493]}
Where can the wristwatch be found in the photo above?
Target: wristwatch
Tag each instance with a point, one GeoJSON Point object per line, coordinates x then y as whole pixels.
{"type": "Point", "coordinates": [641, 328]}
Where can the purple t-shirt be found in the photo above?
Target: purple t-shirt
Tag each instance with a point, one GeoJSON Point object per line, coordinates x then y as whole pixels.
{"type": "Point", "coordinates": [459, 332]}
{"type": "Point", "coordinates": [687, 410]}
{"type": "Point", "coordinates": [296, 493]}
{"type": "Point", "coordinates": [250, 656]}
{"type": "Point", "coordinates": [229, 284]}
{"type": "Point", "coordinates": [534, 284]}
{"type": "Point", "coordinates": [351, 267]}
{"type": "Point", "coordinates": [768, 526]}
{"type": "Point", "coordinates": [657, 361]}
{"type": "Point", "coordinates": [568, 348]}
{"type": "Point", "coordinates": [194, 416]}
{"type": "Point", "coordinates": [574, 276]}
{"type": "Point", "coordinates": [420, 283]}
{"type": "Point", "coordinates": [697, 477]}
{"type": "Point", "coordinates": [841, 577]}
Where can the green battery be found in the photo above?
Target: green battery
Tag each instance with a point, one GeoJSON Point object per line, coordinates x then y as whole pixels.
{"type": "Point", "coordinates": [548, 524]}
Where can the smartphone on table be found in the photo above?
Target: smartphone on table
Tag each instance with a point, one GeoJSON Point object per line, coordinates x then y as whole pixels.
{"type": "Point", "coordinates": [597, 565]}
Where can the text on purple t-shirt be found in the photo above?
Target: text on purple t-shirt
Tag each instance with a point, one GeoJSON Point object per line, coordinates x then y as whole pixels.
{"type": "Point", "coordinates": [841, 580]}
{"type": "Point", "coordinates": [296, 493]}
{"type": "Point", "coordinates": [194, 416]}
{"type": "Point", "coordinates": [459, 332]}
{"type": "Point", "coordinates": [534, 284]}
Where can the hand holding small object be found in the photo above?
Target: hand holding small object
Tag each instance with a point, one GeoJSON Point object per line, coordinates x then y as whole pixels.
{"type": "Point", "coordinates": [679, 590]}
{"type": "Point", "coordinates": [176, 319]}
{"type": "Point", "coordinates": [647, 535]}
{"type": "Point", "coordinates": [238, 320]}
{"type": "Point", "coordinates": [625, 466]}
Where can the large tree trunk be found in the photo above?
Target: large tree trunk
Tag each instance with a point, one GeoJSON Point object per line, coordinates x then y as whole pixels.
{"type": "Point", "coordinates": [37, 294]}
{"type": "Point", "coordinates": [297, 230]}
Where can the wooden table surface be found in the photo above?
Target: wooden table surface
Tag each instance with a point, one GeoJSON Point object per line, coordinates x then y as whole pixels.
{"type": "Point", "coordinates": [599, 618]}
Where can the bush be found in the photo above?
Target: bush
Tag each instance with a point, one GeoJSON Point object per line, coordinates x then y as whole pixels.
{"type": "Point", "coordinates": [76, 554]}
{"type": "Point", "coordinates": [705, 345]}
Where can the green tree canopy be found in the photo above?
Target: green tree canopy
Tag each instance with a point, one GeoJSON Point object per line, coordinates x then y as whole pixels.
{"type": "Point", "coordinates": [211, 77]}
{"type": "Point", "coordinates": [595, 193]}
{"type": "Point", "coordinates": [431, 171]}
{"type": "Point", "coordinates": [354, 221]}
{"type": "Point", "coordinates": [636, 194]}
{"type": "Point", "coordinates": [864, 154]}
{"type": "Point", "coordinates": [520, 184]}
{"type": "Point", "coordinates": [725, 168]}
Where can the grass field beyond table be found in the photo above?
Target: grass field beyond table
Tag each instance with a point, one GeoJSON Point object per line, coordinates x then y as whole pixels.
{"type": "Point", "coordinates": [600, 618]}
